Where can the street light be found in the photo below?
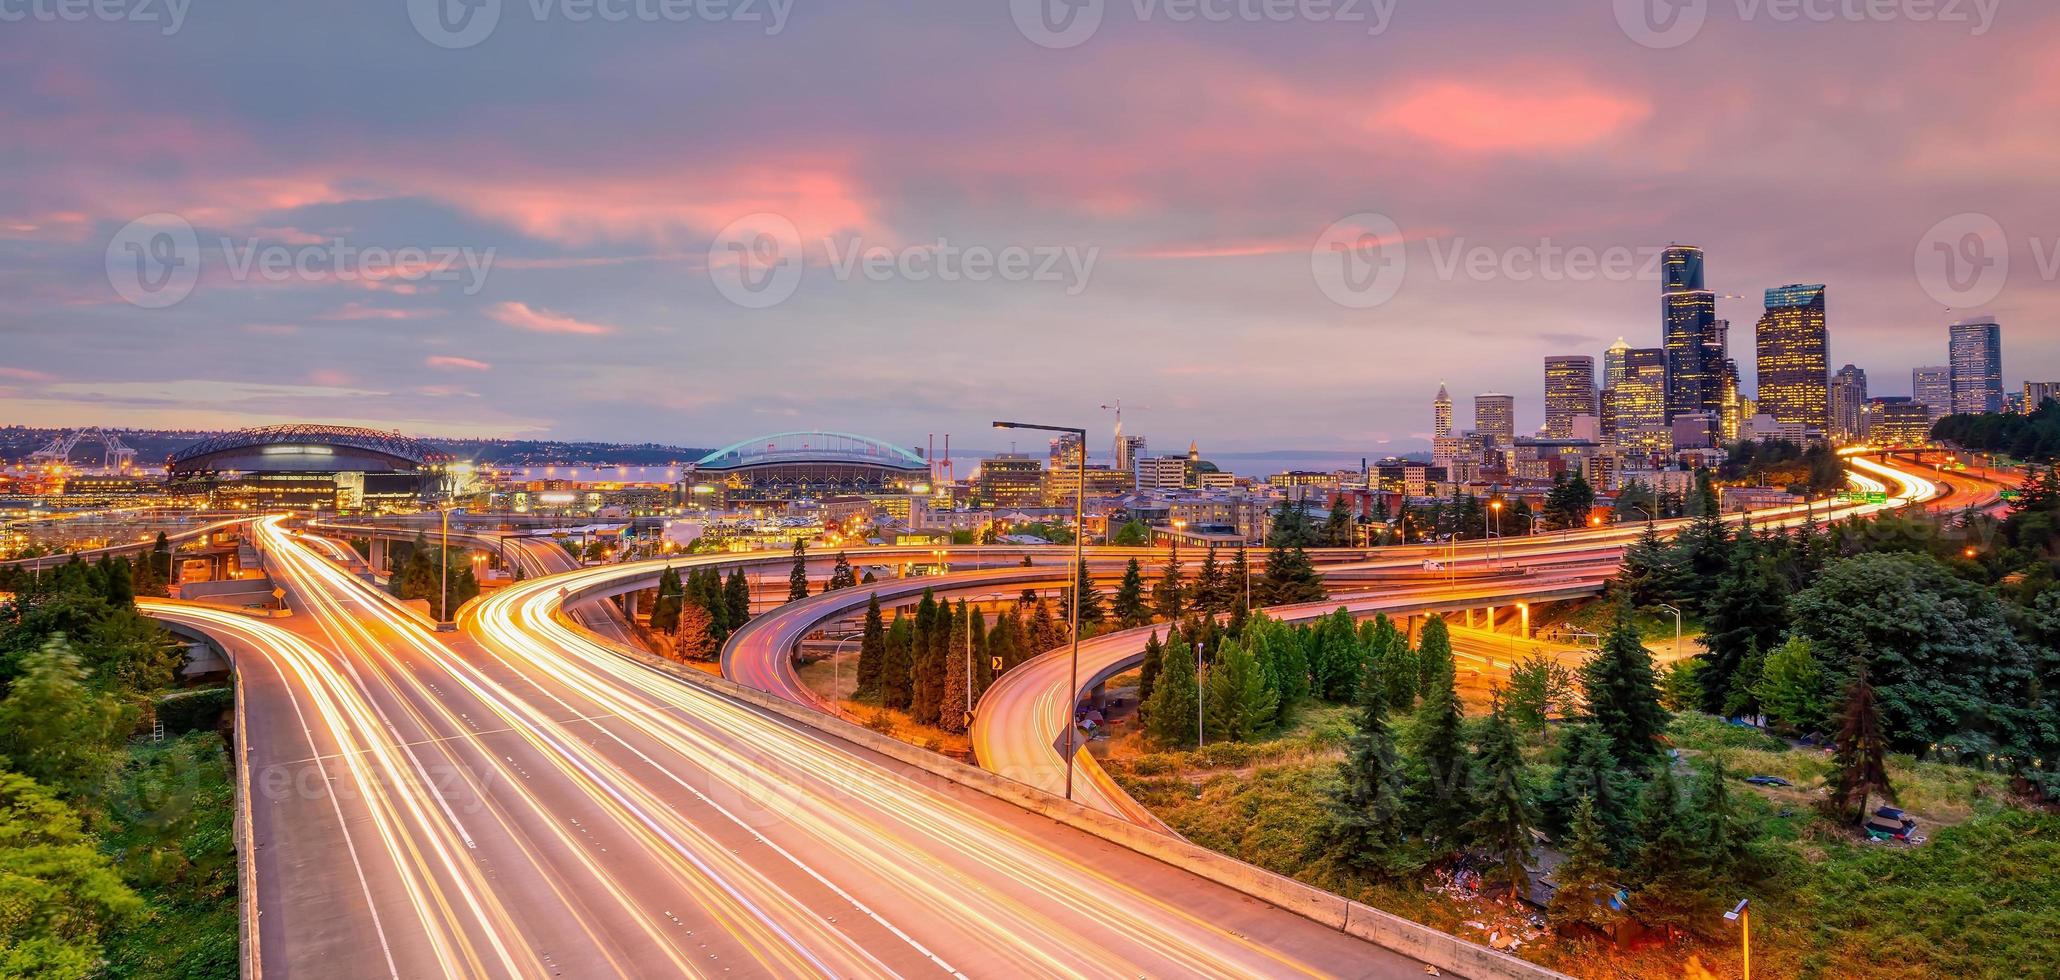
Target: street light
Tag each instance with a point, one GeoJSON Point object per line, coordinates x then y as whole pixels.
{"type": "Point", "coordinates": [1677, 627]}
{"type": "Point", "coordinates": [1743, 916]}
{"type": "Point", "coordinates": [1079, 573]}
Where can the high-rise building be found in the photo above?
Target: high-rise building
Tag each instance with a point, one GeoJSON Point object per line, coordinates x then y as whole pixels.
{"type": "Point", "coordinates": [1849, 405]}
{"type": "Point", "coordinates": [1976, 353]}
{"type": "Point", "coordinates": [1066, 450]}
{"type": "Point", "coordinates": [1932, 387]}
{"type": "Point", "coordinates": [1494, 417]}
{"type": "Point", "coordinates": [1638, 403]}
{"type": "Point", "coordinates": [1441, 413]}
{"type": "Point", "coordinates": [1012, 480]}
{"type": "Point", "coordinates": [1898, 422]}
{"type": "Point", "coordinates": [1794, 349]}
{"type": "Point", "coordinates": [1613, 363]}
{"type": "Point", "coordinates": [1569, 391]}
{"type": "Point", "coordinates": [2037, 392]}
{"type": "Point", "coordinates": [1694, 337]}
{"type": "Point", "coordinates": [1129, 449]}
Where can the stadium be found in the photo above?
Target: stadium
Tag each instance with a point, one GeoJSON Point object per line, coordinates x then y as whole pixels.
{"type": "Point", "coordinates": [342, 468]}
{"type": "Point", "coordinates": [806, 464]}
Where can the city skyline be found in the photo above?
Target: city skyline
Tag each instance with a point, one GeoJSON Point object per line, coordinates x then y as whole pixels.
{"type": "Point", "coordinates": [598, 318]}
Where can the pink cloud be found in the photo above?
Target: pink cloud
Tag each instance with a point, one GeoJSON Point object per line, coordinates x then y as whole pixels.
{"type": "Point", "coordinates": [329, 378]}
{"type": "Point", "coordinates": [359, 311]}
{"type": "Point", "coordinates": [1511, 117]}
{"type": "Point", "coordinates": [25, 374]}
{"type": "Point", "coordinates": [452, 363]}
{"type": "Point", "coordinates": [522, 316]}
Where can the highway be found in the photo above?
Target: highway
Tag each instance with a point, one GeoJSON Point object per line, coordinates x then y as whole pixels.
{"type": "Point", "coordinates": [520, 800]}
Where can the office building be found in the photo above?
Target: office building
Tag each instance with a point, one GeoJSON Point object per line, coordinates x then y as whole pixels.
{"type": "Point", "coordinates": [1694, 338]}
{"type": "Point", "coordinates": [1012, 480]}
{"type": "Point", "coordinates": [1066, 450]}
{"type": "Point", "coordinates": [1898, 422]}
{"type": "Point", "coordinates": [1794, 346]}
{"type": "Point", "coordinates": [1129, 449]}
{"type": "Point", "coordinates": [1569, 392]}
{"type": "Point", "coordinates": [2036, 393]}
{"type": "Point", "coordinates": [1639, 401]}
{"type": "Point", "coordinates": [1613, 363]}
{"type": "Point", "coordinates": [1849, 405]}
{"type": "Point", "coordinates": [1976, 353]}
{"type": "Point", "coordinates": [1441, 413]}
{"type": "Point", "coordinates": [1932, 387]}
{"type": "Point", "coordinates": [1161, 472]}
{"type": "Point", "coordinates": [1494, 417]}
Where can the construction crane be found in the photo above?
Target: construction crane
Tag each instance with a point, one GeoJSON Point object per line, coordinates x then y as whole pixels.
{"type": "Point", "coordinates": [114, 455]}
{"type": "Point", "coordinates": [1116, 446]}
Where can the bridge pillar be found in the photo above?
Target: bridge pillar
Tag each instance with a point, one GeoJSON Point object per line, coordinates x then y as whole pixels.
{"type": "Point", "coordinates": [1491, 619]}
{"type": "Point", "coordinates": [629, 605]}
{"type": "Point", "coordinates": [377, 557]}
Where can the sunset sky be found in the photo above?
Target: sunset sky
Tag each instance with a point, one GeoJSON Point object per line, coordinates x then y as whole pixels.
{"type": "Point", "coordinates": [1196, 164]}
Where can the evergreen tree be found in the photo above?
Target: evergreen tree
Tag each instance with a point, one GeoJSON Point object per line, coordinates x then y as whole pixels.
{"type": "Point", "coordinates": [1623, 694]}
{"type": "Point", "coordinates": [897, 668]}
{"type": "Point", "coordinates": [1290, 577]}
{"type": "Point", "coordinates": [1367, 809]}
{"type": "Point", "coordinates": [1337, 528]}
{"type": "Point", "coordinates": [1748, 612]}
{"type": "Point", "coordinates": [1401, 673]}
{"type": "Point", "coordinates": [1169, 597]}
{"type": "Point", "coordinates": [951, 714]}
{"type": "Point", "coordinates": [1007, 641]}
{"type": "Point", "coordinates": [1435, 668]}
{"type": "Point", "coordinates": [1504, 814]}
{"type": "Point", "coordinates": [1046, 633]}
{"type": "Point", "coordinates": [841, 576]}
{"type": "Point", "coordinates": [1859, 766]}
{"type": "Point", "coordinates": [1129, 606]}
{"type": "Point", "coordinates": [1569, 502]}
{"type": "Point", "coordinates": [872, 649]}
{"type": "Point", "coordinates": [1740, 701]}
{"type": "Point", "coordinates": [665, 609]}
{"type": "Point", "coordinates": [692, 637]}
{"type": "Point", "coordinates": [1148, 672]}
{"type": "Point", "coordinates": [1170, 716]}
{"type": "Point", "coordinates": [1587, 879]}
{"type": "Point", "coordinates": [1280, 652]}
{"type": "Point", "coordinates": [736, 594]}
{"type": "Point", "coordinates": [797, 577]}
{"type": "Point", "coordinates": [1442, 790]}
{"type": "Point", "coordinates": [983, 659]}
{"type": "Point", "coordinates": [1588, 770]}
{"type": "Point", "coordinates": [1726, 840]}
{"type": "Point", "coordinates": [1242, 703]}
{"type": "Point", "coordinates": [1705, 550]}
{"type": "Point", "coordinates": [1239, 582]}
{"type": "Point", "coordinates": [927, 650]}
{"type": "Point", "coordinates": [1671, 886]}
{"type": "Point", "coordinates": [1334, 672]}
{"type": "Point", "coordinates": [1650, 573]}
{"type": "Point", "coordinates": [1210, 595]}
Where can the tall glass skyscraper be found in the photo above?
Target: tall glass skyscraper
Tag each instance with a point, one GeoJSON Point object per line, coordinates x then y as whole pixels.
{"type": "Point", "coordinates": [1794, 357]}
{"type": "Point", "coordinates": [1976, 350]}
{"type": "Point", "coordinates": [1932, 387]}
{"type": "Point", "coordinates": [1569, 391]}
{"type": "Point", "coordinates": [1694, 337]}
{"type": "Point", "coordinates": [1849, 405]}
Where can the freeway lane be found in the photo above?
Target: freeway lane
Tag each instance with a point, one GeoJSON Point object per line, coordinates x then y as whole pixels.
{"type": "Point", "coordinates": [929, 869]}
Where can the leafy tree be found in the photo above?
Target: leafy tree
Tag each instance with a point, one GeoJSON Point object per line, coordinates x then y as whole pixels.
{"type": "Point", "coordinates": [1169, 599]}
{"type": "Point", "coordinates": [1587, 879]}
{"type": "Point", "coordinates": [1133, 534]}
{"type": "Point", "coordinates": [58, 892]}
{"type": "Point", "coordinates": [1859, 767]}
{"type": "Point", "coordinates": [1791, 688]}
{"type": "Point", "coordinates": [1367, 809]}
{"type": "Point", "coordinates": [1539, 687]}
{"type": "Point", "coordinates": [56, 729]}
{"type": "Point", "coordinates": [1680, 685]}
{"type": "Point", "coordinates": [1748, 612]}
{"type": "Point", "coordinates": [1504, 813]}
{"type": "Point", "coordinates": [1170, 715]}
{"type": "Point", "coordinates": [1242, 702]}
{"type": "Point", "coordinates": [872, 649]}
{"type": "Point", "coordinates": [1129, 605]}
{"type": "Point", "coordinates": [797, 576]}
{"type": "Point", "coordinates": [1623, 694]}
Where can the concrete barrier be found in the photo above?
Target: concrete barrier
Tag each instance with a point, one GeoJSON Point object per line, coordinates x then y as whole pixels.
{"type": "Point", "coordinates": [1448, 953]}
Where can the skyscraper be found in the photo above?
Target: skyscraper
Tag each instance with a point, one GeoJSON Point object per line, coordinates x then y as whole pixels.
{"type": "Point", "coordinates": [1569, 391]}
{"type": "Point", "coordinates": [1494, 417]}
{"type": "Point", "coordinates": [1932, 387]}
{"type": "Point", "coordinates": [1441, 413]}
{"type": "Point", "coordinates": [1976, 352]}
{"type": "Point", "coordinates": [1694, 337]}
{"type": "Point", "coordinates": [1793, 354]}
{"type": "Point", "coordinates": [1638, 403]}
{"type": "Point", "coordinates": [1613, 363]}
{"type": "Point", "coordinates": [1849, 405]}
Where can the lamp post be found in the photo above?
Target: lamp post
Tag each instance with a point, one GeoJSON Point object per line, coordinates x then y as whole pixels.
{"type": "Point", "coordinates": [1494, 507]}
{"type": "Point", "coordinates": [1079, 573]}
{"type": "Point", "coordinates": [1677, 627]}
{"type": "Point", "coordinates": [1743, 916]}
{"type": "Point", "coordinates": [443, 618]}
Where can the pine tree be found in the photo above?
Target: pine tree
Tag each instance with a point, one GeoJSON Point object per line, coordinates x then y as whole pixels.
{"type": "Point", "coordinates": [1504, 813]}
{"type": "Point", "coordinates": [1007, 641]}
{"type": "Point", "coordinates": [872, 650]}
{"type": "Point", "coordinates": [1239, 582]}
{"type": "Point", "coordinates": [665, 609]}
{"type": "Point", "coordinates": [797, 577]}
{"type": "Point", "coordinates": [692, 638]}
{"type": "Point", "coordinates": [983, 659]}
{"type": "Point", "coordinates": [1650, 573]}
{"type": "Point", "coordinates": [1588, 770]}
{"type": "Point", "coordinates": [1443, 788]}
{"type": "Point", "coordinates": [1290, 578]}
{"type": "Point", "coordinates": [1129, 606]}
{"type": "Point", "coordinates": [1169, 597]}
{"type": "Point", "coordinates": [736, 594]}
{"type": "Point", "coordinates": [1337, 527]}
{"type": "Point", "coordinates": [841, 576]}
{"type": "Point", "coordinates": [1859, 766]}
{"type": "Point", "coordinates": [951, 713]}
{"type": "Point", "coordinates": [897, 668]}
{"type": "Point", "coordinates": [1435, 668]}
{"type": "Point", "coordinates": [926, 651]}
{"type": "Point", "coordinates": [1401, 674]}
{"type": "Point", "coordinates": [1242, 703]}
{"type": "Point", "coordinates": [1587, 879]}
{"type": "Point", "coordinates": [1367, 808]}
{"type": "Point", "coordinates": [1275, 647]}
{"type": "Point", "coordinates": [1726, 841]}
{"type": "Point", "coordinates": [1671, 886]}
{"type": "Point", "coordinates": [1170, 716]}
{"type": "Point", "coordinates": [1335, 670]}
{"type": "Point", "coordinates": [1210, 596]}
{"type": "Point", "coordinates": [1046, 633]}
{"type": "Point", "coordinates": [1623, 694]}
{"type": "Point", "coordinates": [1749, 611]}
{"type": "Point", "coordinates": [1092, 610]}
{"type": "Point", "coordinates": [1148, 672]}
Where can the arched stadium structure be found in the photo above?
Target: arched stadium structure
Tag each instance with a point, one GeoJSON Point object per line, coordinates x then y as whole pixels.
{"type": "Point", "coordinates": [809, 464]}
{"type": "Point", "coordinates": [331, 467]}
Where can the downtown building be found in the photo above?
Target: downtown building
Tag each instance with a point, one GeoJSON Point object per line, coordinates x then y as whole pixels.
{"type": "Point", "coordinates": [1849, 405]}
{"type": "Point", "coordinates": [1494, 417]}
{"type": "Point", "coordinates": [1976, 353]}
{"type": "Point", "coordinates": [1932, 387]}
{"type": "Point", "coordinates": [1634, 410]}
{"type": "Point", "coordinates": [1569, 393]}
{"type": "Point", "coordinates": [1699, 366]}
{"type": "Point", "coordinates": [1794, 350]}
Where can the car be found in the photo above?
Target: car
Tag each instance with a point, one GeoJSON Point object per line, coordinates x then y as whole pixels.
{"type": "Point", "coordinates": [1768, 781]}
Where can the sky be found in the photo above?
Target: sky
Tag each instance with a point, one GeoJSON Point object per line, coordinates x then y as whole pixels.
{"type": "Point", "coordinates": [1260, 223]}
